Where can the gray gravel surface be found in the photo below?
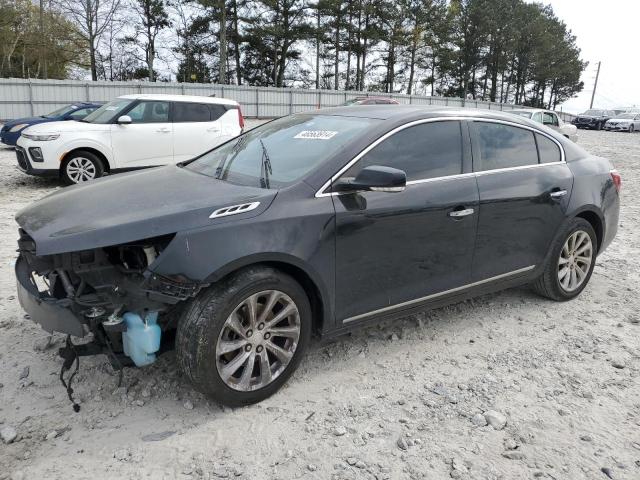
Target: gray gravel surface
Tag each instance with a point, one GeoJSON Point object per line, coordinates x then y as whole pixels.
{"type": "Point", "coordinates": [505, 386]}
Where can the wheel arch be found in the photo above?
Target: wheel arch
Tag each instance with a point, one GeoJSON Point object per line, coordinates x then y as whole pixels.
{"type": "Point", "coordinates": [594, 217]}
{"type": "Point", "coordinates": [308, 279]}
{"type": "Point", "coordinates": [95, 151]}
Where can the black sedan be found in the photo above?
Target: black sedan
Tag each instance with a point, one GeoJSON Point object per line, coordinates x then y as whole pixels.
{"type": "Point", "coordinates": [593, 119]}
{"type": "Point", "coordinates": [312, 224]}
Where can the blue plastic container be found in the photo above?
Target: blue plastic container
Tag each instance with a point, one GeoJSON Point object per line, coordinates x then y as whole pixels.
{"type": "Point", "coordinates": [141, 341]}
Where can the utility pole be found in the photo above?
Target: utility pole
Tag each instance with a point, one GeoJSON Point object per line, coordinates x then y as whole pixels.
{"type": "Point", "coordinates": [318, 47]}
{"type": "Point", "coordinates": [593, 95]}
{"type": "Point", "coordinates": [43, 60]}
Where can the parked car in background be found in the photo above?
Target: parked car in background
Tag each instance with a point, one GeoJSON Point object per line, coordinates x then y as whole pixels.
{"type": "Point", "coordinates": [314, 223]}
{"type": "Point", "coordinates": [11, 130]}
{"type": "Point", "coordinates": [551, 120]}
{"type": "Point", "coordinates": [624, 122]}
{"type": "Point", "coordinates": [131, 132]}
{"type": "Point", "coordinates": [370, 101]}
{"type": "Point", "coordinates": [593, 119]}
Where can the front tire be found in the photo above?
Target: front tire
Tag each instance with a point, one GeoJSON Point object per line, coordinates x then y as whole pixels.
{"type": "Point", "coordinates": [631, 128]}
{"type": "Point", "coordinates": [570, 264]}
{"type": "Point", "coordinates": [80, 167]}
{"type": "Point", "coordinates": [240, 340]}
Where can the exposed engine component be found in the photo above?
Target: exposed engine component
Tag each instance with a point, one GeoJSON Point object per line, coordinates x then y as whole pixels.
{"type": "Point", "coordinates": [88, 291]}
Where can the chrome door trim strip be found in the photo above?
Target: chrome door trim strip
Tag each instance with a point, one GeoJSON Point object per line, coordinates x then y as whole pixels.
{"type": "Point", "coordinates": [440, 179]}
{"type": "Point", "coordinates": [436, 295]}
{"type": "Point", "coordinates": [515, 169]}
{"type": "Point", "coordinates": [321, 191]}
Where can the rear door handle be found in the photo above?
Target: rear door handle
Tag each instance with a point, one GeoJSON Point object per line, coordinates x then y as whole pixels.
{"type": "Point", "coordinates": [163, 130]}
{"type": "Point", "coordinates": [558, 194]}
{"type": "Point", "coordinates": [213, 129]}
{"type": "Point", "coordinates": [461, 213]}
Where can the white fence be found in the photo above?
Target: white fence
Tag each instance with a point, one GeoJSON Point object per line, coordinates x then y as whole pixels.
{"type": "Point", "coordinates": [23, 98]}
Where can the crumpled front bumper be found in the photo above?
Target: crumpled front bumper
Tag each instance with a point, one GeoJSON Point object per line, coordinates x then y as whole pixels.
{"type": "Point", "coordinates": [43, 309]}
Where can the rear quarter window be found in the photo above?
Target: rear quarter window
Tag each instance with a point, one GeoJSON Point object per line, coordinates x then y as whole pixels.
{"type": "Point", "coordinates": [548, 149]}
{"type": "Point", "coordinates": [218, 111]}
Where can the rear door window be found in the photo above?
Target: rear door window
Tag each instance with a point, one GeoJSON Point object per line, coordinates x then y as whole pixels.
{"type": "Point", "coordinates": [502, 146]}
{"type": "Point", "coordinates": [424, 151]}
{"type": "Point", "coordinates": [547, 149]}
{"type": "Point", "coordinates": [191, 112]}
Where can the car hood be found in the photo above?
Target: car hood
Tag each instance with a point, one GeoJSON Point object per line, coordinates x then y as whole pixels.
{"type": "Point", "coordinates": [134, 206]}
{"type": "Point", "coordinates": [27, 120]}
{"type": "Point", "coordinates": [63, 126]}
{"type": "Point", "coordinates": [590, 117]}
{"type": "Point", "coordinates": [627, 120]}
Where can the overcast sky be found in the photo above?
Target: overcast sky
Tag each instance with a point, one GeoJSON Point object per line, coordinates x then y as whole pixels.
{"type": "Point", "coordinates": [607, 31]}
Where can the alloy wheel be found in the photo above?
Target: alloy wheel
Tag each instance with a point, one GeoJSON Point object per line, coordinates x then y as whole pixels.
{"type": "Point", "coordinates": [575, 261]}
{"type": "Point", "coordinates": [81, 169]}
{"type": "Point", "coordinates": [258, 340]}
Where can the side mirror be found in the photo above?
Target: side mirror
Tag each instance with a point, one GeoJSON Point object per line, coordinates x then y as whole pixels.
{"type": "Point", "coordinates": [125, 120]}
{"type": "Point", "coordinates": [374, 179]}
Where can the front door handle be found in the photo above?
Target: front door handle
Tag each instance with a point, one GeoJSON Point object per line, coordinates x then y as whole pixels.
{"type": "Point", "coordinates": [558, 194]}
{"type": "Point", "coordinates": [461, 213]}
{"type": "Point", "coordinates": [164, 130]}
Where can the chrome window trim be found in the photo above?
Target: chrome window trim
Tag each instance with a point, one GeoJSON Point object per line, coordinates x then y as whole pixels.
{"type": "Point", "coordinates": [321, 191]}
{"type": "Point", "coordinates": [436, 295]}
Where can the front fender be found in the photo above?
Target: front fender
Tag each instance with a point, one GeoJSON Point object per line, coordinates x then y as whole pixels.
{"type": "Point", "coordinates": [85, 143]}
{"type": "Point", "coordinates": [299, 234]}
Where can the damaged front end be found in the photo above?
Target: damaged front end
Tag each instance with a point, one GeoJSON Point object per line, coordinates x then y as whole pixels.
{"type": "Point", "coordinates": [109, 293]}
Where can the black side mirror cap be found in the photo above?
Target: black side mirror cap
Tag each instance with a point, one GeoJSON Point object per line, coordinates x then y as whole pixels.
{"type": "Point", "coordinates": [375, 178]}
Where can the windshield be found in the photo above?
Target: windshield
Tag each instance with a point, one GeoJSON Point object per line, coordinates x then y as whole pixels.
{"type": "Point", "coordinates": [281, 152]}
{"type": "Point", "coordinates": [523, 114]}
{"type": "Point", "coordinates": [108, 111]}
{"type": "Point", "coordinates": [61, 111]}
{"type": "Point", "coordinates": [353, 101]}
{"type": "Point", "coordinates": [594, 113]}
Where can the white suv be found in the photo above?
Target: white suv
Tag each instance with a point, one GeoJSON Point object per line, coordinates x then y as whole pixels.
{"type": "Point", "coordinates": [131, 132]}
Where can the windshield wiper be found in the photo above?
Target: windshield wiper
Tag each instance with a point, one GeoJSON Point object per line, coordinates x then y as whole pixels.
{"type": "Point", "coordinates": [265, 168]}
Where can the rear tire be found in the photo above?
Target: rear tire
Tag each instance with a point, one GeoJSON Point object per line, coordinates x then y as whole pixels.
{"type": "Point", "coordinates": [557, 283]}
{"type": "Point", "coordinates": [237, 357]}
{"type": "Point", "coordinates": [81, 167]}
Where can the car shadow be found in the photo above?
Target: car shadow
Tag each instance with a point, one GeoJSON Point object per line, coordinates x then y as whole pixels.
{"type": "Point", "coordinates": [334, 354]}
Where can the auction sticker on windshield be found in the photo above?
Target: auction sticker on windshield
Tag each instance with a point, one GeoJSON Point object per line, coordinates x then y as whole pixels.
{"type": "Point", "coordinates": [316, 134]}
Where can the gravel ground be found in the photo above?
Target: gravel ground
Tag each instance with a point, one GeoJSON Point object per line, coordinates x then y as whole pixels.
{"type": "Point", "coordinates": [558, 384]}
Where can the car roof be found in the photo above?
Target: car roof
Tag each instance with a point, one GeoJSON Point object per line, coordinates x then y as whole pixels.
{"type": "Point", "coordinates": [529, 110]}
{"type": "Point", "coordinates": [180, 98]}
{"type": "Point", "coordinates": [412, 112]}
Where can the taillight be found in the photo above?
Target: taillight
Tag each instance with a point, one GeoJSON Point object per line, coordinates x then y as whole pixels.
{"type": "Point", "coordinates": [240, 117]}
{"type": "Point", "coordinates": [617, 180]}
